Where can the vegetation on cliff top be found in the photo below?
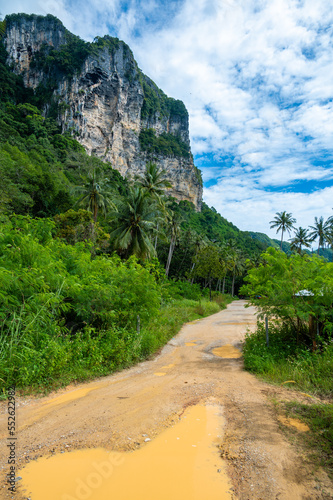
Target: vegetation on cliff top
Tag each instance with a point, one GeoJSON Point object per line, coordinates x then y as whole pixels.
{"type": "Point", "coordinates": [164, 144]}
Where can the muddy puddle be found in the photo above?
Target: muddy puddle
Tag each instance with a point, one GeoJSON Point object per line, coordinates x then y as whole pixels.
{"type": "Point", "coordinates": [182, 462]}
{"type": "Point", "coordinates": [293, 422]}
{"type": "Point", "coordinates": [227, 351]}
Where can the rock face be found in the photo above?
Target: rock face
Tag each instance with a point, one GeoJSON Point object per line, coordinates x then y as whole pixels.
{"type": "Point", "coordinates": [107, 102]}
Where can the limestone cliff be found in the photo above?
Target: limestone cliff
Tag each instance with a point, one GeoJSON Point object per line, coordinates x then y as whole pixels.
{"type": "Point", "coordinates": [104, 98]}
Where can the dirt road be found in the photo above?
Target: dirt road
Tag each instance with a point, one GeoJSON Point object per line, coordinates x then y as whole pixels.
{"type": "Point", "coordinates": [122, 411]}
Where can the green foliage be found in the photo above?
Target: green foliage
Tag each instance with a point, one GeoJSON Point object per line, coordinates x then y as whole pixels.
{"type": "Point", "coordinates": [283, 221]}
{"type": "Point", "coordinates": [39, 166]}
{"type": "Point", "coordinates": [74, 226]}
{"type": "Point", "coordinates": [156, 102]}
{"type": "Point", "coordinates": [67, 59]}
{"type": "Point", "coordinates": [55, 299]}
{"type": "Point", "coordinates": [133, 223]}
{"type": "Point", "coordinates": [208, 264]}
{"type": "Point", "coordinates": [279, 281]}
{"type": "Point", "coordinates": [284, 360]}
{"type": "Point", "coordinates": [107, 41]}
{"type": "Point", "coordinates": [176, 290]}
{"type": "Point", "coordinates": [11, 85]}
{"type": "Point", "coordinates": [164, 144]}
{"type": "Point", "coordinates": [65, 316]}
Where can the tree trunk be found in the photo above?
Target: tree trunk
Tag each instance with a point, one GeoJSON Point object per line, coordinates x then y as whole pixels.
{"type": "Point", "coordinates": [171, 249]}
{"type": "Point", "coordinates": [192, 279]}
{"type": "Point", "coordinates": [223, 287]}
{"type": "Point", "coordinates": [156, 237]}
{"type": "Point", "coordinates": [312, 331]}
{"type": "Point", "coordinates": [95, 210]}
{"type": "Point", "coordinates": [233, 285]}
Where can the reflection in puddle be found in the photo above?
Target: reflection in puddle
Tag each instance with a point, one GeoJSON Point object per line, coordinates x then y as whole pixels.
{"type": "Point", "coordinates": [293, 422]}
{"type": "Point", "coordinates": [181, 463]}
{"type": "Point", "coordinates": [227, 351]}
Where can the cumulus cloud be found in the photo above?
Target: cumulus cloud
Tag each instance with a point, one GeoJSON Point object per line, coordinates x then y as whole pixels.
{"type": "Point", "coordinates": [257, 79]}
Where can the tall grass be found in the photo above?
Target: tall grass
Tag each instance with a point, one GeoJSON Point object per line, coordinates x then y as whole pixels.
{"type": "Point", "coordinates": [283, 360]}
{"type": "Point", "coordinates": [37, 355]}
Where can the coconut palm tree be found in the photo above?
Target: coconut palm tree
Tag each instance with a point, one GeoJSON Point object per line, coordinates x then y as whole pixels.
{"type": "Point", "coordinates": [96, 195]}
{"type": "Point", "coordinates": [174, 229]}
{"type": "Point", "coordinates": [134, 223]}
{"type": "Point", "coordinates": [154, 181]}
{"type": "Point", "coordinates": [319, 230]}
{"type": "Point", "coordinates": [329, 238]}
{"type": "Point", "coordinates": [283, 221]}
{"type": "Point", "coordinates": [234, 262]}
{"type": "Point", "coordinates": [301, 238]}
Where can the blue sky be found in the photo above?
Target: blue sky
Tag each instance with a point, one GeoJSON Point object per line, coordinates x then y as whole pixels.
{"type": "Point", "coordinates": [257, 79]}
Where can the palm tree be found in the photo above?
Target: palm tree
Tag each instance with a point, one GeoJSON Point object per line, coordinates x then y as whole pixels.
{"type": "Point", "coordinates": [235, 262]}
{"type": "Point", "coordinates": [95, 195]}
{"type": "Point", "coordinates": [319, 230]}
{"type": "Point", "coordinates": [283, 221]}
{"type": "Point", "coordinates": [300, 238]}
{"type": "Point", "coordinates": [329, 237]}
{"type": "Point", "coordinates": [134, 223]}
{"type": "Point", "coordinates": [174, 229]}
{"type": "Point", "coordinates": [154, 182]}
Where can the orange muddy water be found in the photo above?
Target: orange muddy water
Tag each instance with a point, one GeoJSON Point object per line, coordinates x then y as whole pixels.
{"type": "Point", "coordinates": [227, 351]}
{"type": "Point", "coordinates": [182, 462]}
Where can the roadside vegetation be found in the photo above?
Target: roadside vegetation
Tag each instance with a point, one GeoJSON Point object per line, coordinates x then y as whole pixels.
{"type": "Point", "coordinates": [294, 298]}
{"type": "Point", "coordinates": [68, 314]}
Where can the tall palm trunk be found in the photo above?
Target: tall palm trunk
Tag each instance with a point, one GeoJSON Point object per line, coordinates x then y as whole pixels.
{"type": "Point", "coordinates": [281, 240]}
{"type": "Point", "coordinates": [156, 237]}
{"type": "Point", "coordinates": [223, 286]}
{"type": "Point", "coordinates": [171, 249]}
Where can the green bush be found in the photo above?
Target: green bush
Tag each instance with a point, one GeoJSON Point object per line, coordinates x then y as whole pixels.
{"type": "Point", "coordinates": [284, 360]}
{"type": "Point", "coordinates": [56, 298]}
{"type": "Point", "coordinates": [165, 144]}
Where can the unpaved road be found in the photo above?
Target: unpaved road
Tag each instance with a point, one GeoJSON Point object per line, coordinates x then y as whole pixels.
{"type": "Point", "coordinates": [118, 411]}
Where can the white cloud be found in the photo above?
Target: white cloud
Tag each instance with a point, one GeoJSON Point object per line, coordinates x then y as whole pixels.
{"type": "Point", "coordinates": [257, 79]}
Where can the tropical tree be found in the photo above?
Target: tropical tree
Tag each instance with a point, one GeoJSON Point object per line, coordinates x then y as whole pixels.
{"type": "Point", "coordinates": [134, 222]}
{"type": "Point", "coordinates": [199, 241]}
{"type": "Point", "coordinates": [319, 230]}
{"type": "Point", "coordinates": [329, 238]}
{"type": "Point", "coordinates": [96, 194]}
{"type": "Point", "coordinates": [283, 221]}
{"type": "Point", "coordinates": [234, 262]}
{"type": "Point", "coordinates": [208, 265]}
{"type": "Point", "coordinates": [301, 238]}
{"type": "Point", "coordinates": [154, 181]}
{"type": "Point", "coordinates": [174, 230]}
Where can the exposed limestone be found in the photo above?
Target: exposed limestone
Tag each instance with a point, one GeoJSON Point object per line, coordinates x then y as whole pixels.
{"type": "Point", "coordinates": [103, 104]}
